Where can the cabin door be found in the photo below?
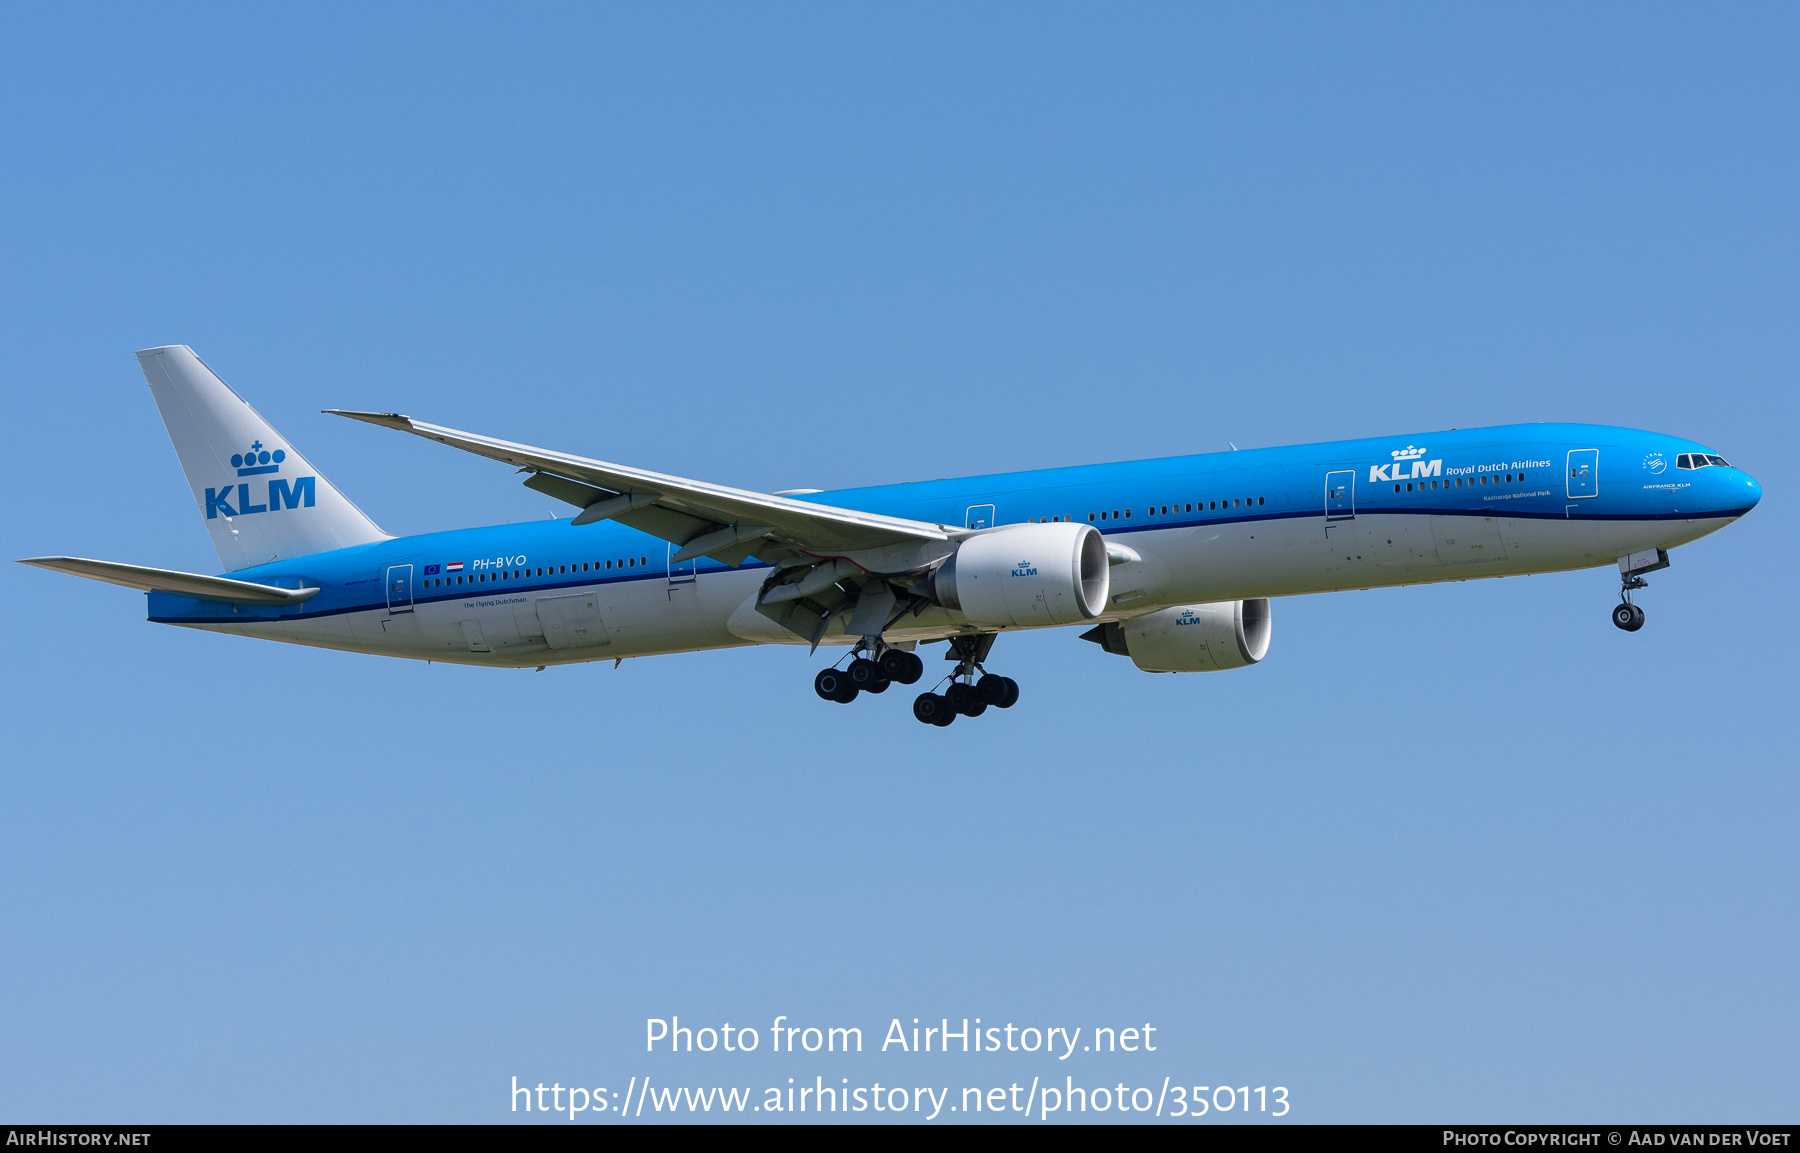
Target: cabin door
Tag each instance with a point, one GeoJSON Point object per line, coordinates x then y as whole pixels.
{"type": "Point", "coordinates": [1340, 494]}
{"type": "Point", "coordinates": [1584, 473]}
{"type": "Point", "coordinates": [399, 588]}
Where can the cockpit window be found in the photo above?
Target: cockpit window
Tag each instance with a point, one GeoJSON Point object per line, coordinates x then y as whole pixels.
{"type": "Point", "coordinates": [1700, 460]}
{"type": "Point", "coordinates": [1718, 460]}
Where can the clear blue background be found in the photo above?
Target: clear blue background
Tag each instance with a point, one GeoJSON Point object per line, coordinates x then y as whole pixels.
{"type": "Point", "coordinates": [1463, 851]}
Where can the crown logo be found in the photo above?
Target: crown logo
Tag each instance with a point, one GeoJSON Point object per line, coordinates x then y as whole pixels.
{"type": "Point", "coordinates": [1407, 453]}
{"type": "Point", "coordinates": [258, 460]}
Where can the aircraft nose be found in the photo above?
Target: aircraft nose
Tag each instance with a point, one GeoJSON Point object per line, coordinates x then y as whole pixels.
{"type": "Point", "coordinates": [1752, 492]}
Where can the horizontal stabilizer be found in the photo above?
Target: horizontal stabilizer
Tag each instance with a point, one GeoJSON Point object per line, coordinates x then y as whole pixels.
{"type": "Point", "coordinates": [185, 584]}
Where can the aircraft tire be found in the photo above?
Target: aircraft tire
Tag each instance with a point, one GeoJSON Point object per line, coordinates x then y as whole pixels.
{"type": "Point", "coordinates": [904, 667]}
{"type": "Point", "coordinates": [829, 683]}
{"type": "Point", "coordinates": [931, 709]}
{"type": "Point", "coordinates": [863, 672]}
{"type": "Point", "coordinates": [878, 685]}
{"type": "Point", "coordinates": [1012, 694]}
{"type": "Point", "coordinates": [961, 697]}
{"type": "Point", "coordinates": [1628, 617]}
{"type": "Point", "coordinates": [991, 689]}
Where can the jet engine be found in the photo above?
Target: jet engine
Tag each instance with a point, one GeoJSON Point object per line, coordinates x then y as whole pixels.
{"type": "Point", "coordinates": [1052, 573]}
{"type": "Point", "coordinates": [1191, 638]}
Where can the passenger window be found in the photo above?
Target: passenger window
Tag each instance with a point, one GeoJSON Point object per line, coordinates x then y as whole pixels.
{"type": "Point", "coordinates": [1090, 516]}
{"type": "Point", "coordinates": [1259, 500]}
{"type": "Point", "coordinates": [1115, 514]}
{"type": "Point", "coordinates": [1396, 488]}
{"type": "Point", "coordinates": [1127, 514]}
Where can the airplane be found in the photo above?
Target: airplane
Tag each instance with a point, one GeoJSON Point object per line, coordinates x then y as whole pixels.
{"type": "Point", "coordinates": [1171, 563]}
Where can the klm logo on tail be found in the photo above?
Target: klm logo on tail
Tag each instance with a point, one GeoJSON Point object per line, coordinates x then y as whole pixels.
{"type": "Point", "coordinates": [260, 461]}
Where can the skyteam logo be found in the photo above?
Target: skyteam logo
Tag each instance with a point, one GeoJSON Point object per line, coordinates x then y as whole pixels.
{"type": "Point", "coordinates": [1024, 568]}
{"type": "Point", "coordinates": [1656, 463]}
{"type": "Point", "coordinates": [1404, 457]}
{"type": "Point", "coordinates": [260, 461]}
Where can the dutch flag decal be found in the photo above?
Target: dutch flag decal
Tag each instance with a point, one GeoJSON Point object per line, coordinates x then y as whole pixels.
{"type": "Point", "coordinates": [454, 566]}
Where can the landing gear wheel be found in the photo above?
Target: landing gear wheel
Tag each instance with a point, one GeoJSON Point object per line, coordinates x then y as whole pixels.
{"type": "Point", "coordinates": [1628, 617]}
{"type": "Point", "coordinates": [932, 709]}
{"type": "Point", "coordinates": [976, 709]}
{"type": "Point", "coordinates": [863, 673]}
{"type": "Point", "coordinates": [1012, 694]}
{"type": "Point", "coordinates": [962, 697]}
{"type": "Point", "coordinates": [901, 666]}
{"type": "Point", "coordinates": [846, 694]}
{"type": "Point", "coordinates": [880, 686]}
{"type": "Point", "coordinates": [829, 683]}
{"type": "Point", "coordinates": [991, 689]}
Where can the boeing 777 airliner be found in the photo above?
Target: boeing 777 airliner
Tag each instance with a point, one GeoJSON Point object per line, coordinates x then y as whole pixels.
{"type": "Point", "coordinates": [1171, 562]}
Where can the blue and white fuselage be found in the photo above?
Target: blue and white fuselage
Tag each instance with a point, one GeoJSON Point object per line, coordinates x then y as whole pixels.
{"type": "Point", "coordinates": [1179, 534]}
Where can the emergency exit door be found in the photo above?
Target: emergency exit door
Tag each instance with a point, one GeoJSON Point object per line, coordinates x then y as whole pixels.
{"type": "Point", "coordinates": [1340, 494]}
{"type": "Point", "coordinates": [1584, 473]}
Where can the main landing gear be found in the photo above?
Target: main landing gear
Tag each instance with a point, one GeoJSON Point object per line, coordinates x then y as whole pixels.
{"type": "Point", "coordinates": [966, 695]}
{"type": "Point", "coordinates": [868, 676]}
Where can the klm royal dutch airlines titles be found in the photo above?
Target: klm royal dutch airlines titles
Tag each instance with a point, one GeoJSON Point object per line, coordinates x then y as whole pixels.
{"type": "Point", "coordinates": [1171, 563]}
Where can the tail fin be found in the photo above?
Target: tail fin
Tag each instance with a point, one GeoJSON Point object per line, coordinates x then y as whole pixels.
{"type": "Point", "coordinates": [263, 501]}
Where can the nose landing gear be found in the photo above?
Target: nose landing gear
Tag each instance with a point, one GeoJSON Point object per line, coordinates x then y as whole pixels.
{"type": "Point", "coordinates": [1632, 568]}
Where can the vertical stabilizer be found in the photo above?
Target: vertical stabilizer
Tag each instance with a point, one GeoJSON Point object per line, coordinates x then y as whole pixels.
{"type": "Point", "coordinates": [262, 500]}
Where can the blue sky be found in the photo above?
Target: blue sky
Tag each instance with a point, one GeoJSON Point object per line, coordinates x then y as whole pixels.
{"type": "Point", "coordinates": [1462, 851]}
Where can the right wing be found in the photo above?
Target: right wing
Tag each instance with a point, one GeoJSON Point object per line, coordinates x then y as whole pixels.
{"type": "Point", "coordinates": [701, 518]}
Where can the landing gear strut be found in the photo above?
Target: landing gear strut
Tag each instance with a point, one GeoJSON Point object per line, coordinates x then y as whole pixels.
{"type": "Point", "coordinates": [966, 695]}
{"type": "Point", "coordinates": [1625, 614]}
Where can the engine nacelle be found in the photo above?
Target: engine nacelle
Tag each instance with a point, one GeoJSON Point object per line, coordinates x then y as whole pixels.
{"type": "Point", "coordinates": [1053, 573]}
{"type": "Point", "coordinates": [1191, 638]}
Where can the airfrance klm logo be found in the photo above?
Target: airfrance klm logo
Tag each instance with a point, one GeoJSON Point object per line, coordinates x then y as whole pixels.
{"type": "Point", "coordinates": [260, 461]}
{"type": "Point", "coordinates": [1402, 458]}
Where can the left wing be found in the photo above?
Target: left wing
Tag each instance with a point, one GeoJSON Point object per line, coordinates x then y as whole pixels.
{"type": "Point", "coordinates": [712, 520]}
